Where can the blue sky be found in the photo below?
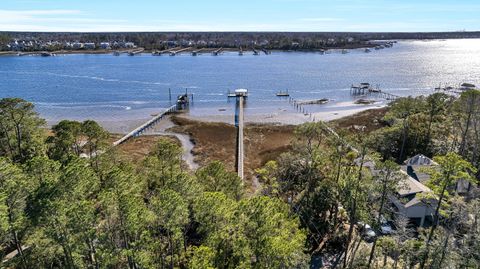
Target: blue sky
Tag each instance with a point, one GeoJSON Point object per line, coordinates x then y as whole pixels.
{"type": "Point", "coordinates": [246, 15]}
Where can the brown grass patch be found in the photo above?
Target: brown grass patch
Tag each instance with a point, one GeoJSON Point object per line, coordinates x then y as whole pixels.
{"type": "Point", "coordinates": [216, 141]}
{"type": "Point", "coordinates": [136, 149]}
{"type": "Point", "coordinates": [371, 118]}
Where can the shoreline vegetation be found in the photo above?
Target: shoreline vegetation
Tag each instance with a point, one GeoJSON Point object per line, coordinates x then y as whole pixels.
{"type": "Point", "coordinates": [71, 200]}
{"type": "Point", "coordinates": [203, 50]}
{"type": "Point", "coordinates": [154, 41]}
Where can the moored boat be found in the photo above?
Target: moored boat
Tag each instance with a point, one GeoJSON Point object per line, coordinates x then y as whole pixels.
{"type": "Point", "coordinates": [283, 93]}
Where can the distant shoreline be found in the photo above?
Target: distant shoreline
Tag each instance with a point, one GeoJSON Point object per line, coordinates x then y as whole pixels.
{"type": "Point", "coordinates": [206, 50]}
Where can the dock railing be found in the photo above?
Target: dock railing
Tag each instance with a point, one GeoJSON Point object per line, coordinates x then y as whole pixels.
{"type": "Point", "coordinates": [137, 131]}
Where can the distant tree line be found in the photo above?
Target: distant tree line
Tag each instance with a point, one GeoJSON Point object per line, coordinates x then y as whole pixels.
{"type": "Point", "coordinates": [269, 40]}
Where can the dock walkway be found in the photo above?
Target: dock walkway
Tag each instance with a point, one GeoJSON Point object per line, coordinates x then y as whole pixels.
{"type": "Point", "coordinates": [137, 131]}
{"type": "Point", "coordinates": [240, 149]}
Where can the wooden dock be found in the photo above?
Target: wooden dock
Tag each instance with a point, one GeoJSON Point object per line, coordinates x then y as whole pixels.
{"type": "Point", "coordinates": [160, 52]}
{"type": "Point", "coordinates": [217, 52]}
{"type": "Point", "coordinates": [241, 95]}
{"type": "Point", "coordinates": [140, 129]}
{"type": "Point", "coordinates": [365, 88]}
{"type": "Point", "coordinates": [175, 52]}
{"type": "Point", "coordinates": [135, 52]}
{"type": "Point", "coordinates": [196, 52]}
{"type": "Point", "coordinates": [240, 147]}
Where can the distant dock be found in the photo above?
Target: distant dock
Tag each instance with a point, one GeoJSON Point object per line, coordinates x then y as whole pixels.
{"type": "Point", "coordinates": [365, 88]}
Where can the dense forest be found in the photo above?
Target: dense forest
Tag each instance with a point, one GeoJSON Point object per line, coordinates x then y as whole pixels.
{"type": "Point", "coordinates": [68, 200]}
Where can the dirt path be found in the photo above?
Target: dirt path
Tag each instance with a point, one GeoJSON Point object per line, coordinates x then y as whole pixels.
{"type": "Point", "coordinates": [162, 128]}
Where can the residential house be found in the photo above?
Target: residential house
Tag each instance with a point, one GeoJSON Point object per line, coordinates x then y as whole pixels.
{"type": "Point", "coordinates": [416, 166]}
{"type": "Point", "coordinates": [89, 46]}
{"type": "Point", "coordinates": [77, 45]}
{"type": "Point", "coordinates": [105, 45]}
{"type": "Point", "coordinates": [130, 45]}
{"type": "Point", "coordinates": [412, 199]}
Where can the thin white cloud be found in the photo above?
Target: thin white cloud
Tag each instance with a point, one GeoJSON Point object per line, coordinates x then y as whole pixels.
{"type": "Point", "coordinates": [321, 19]}
{"type": "Point", "coordinates": [25, 15]}
{"type": "Point", "coordinates": [62, 20]}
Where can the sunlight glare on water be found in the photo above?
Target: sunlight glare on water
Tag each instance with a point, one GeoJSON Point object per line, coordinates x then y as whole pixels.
{"type": "Point", "coordinates": [107, 87]}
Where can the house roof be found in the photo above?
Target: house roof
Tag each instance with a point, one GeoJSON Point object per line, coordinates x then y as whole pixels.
{"type": "Point", "coordinates": [420, 159]}
{"type": "Point", "coordinates": [411, 186]}
{"type": "Point", "coordinates": [415, 201]}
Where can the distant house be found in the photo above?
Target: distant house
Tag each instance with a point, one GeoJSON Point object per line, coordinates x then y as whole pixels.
{"type": "Point", "coordinates": [105, 45]}
{"type": "Point", "coordinates": [264, 43]}
{"type": "Point", "coordinates": [77, 45]}
{"type": "Point", "coordinates": [130, 45]}
{"type": "Point", "coordinates": [89, 46]}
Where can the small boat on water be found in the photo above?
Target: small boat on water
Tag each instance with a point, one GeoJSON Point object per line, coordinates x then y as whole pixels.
{"type": "Point", "coordinates": [467, 86]}
{"type": "Point", "coordinates": [116, 53]}
{"type": "Point", "coordinates": [156, 53]}
{"type": "Point", "coordinates": [367, 50]}
{"type": "Point", "coordinates": [344, 51]}
{"type": "Point", "coordinates": [46, 54]}
{"type": "Point", "coordinates": [315, 102]}
{"type": "Point", "coordinates": [283, 93]}
{"type": "Point", "coordinates": [364, 85]}
{"type": "Point", "coordinates": [130, 53]}
{"type": "Point", "coordinates": [364, 101]}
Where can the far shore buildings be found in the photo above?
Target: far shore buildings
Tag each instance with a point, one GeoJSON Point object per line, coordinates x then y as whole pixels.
{"type": "Point", "coordinates": [89, 46]}
{"type": "Point", "coordinates": [105, 45]}
{"type": "Point", "coordinates": [39, 45]}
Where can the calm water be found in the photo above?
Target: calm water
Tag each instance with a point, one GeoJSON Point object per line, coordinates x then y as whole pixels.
{"type": "Point", "coordinates": [104, 87]}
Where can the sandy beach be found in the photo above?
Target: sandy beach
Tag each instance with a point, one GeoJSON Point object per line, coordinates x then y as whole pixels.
{"type": "Point", "coordinates": [287, 117]}
{"type": "Point", "coordinates": [279, 117]}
